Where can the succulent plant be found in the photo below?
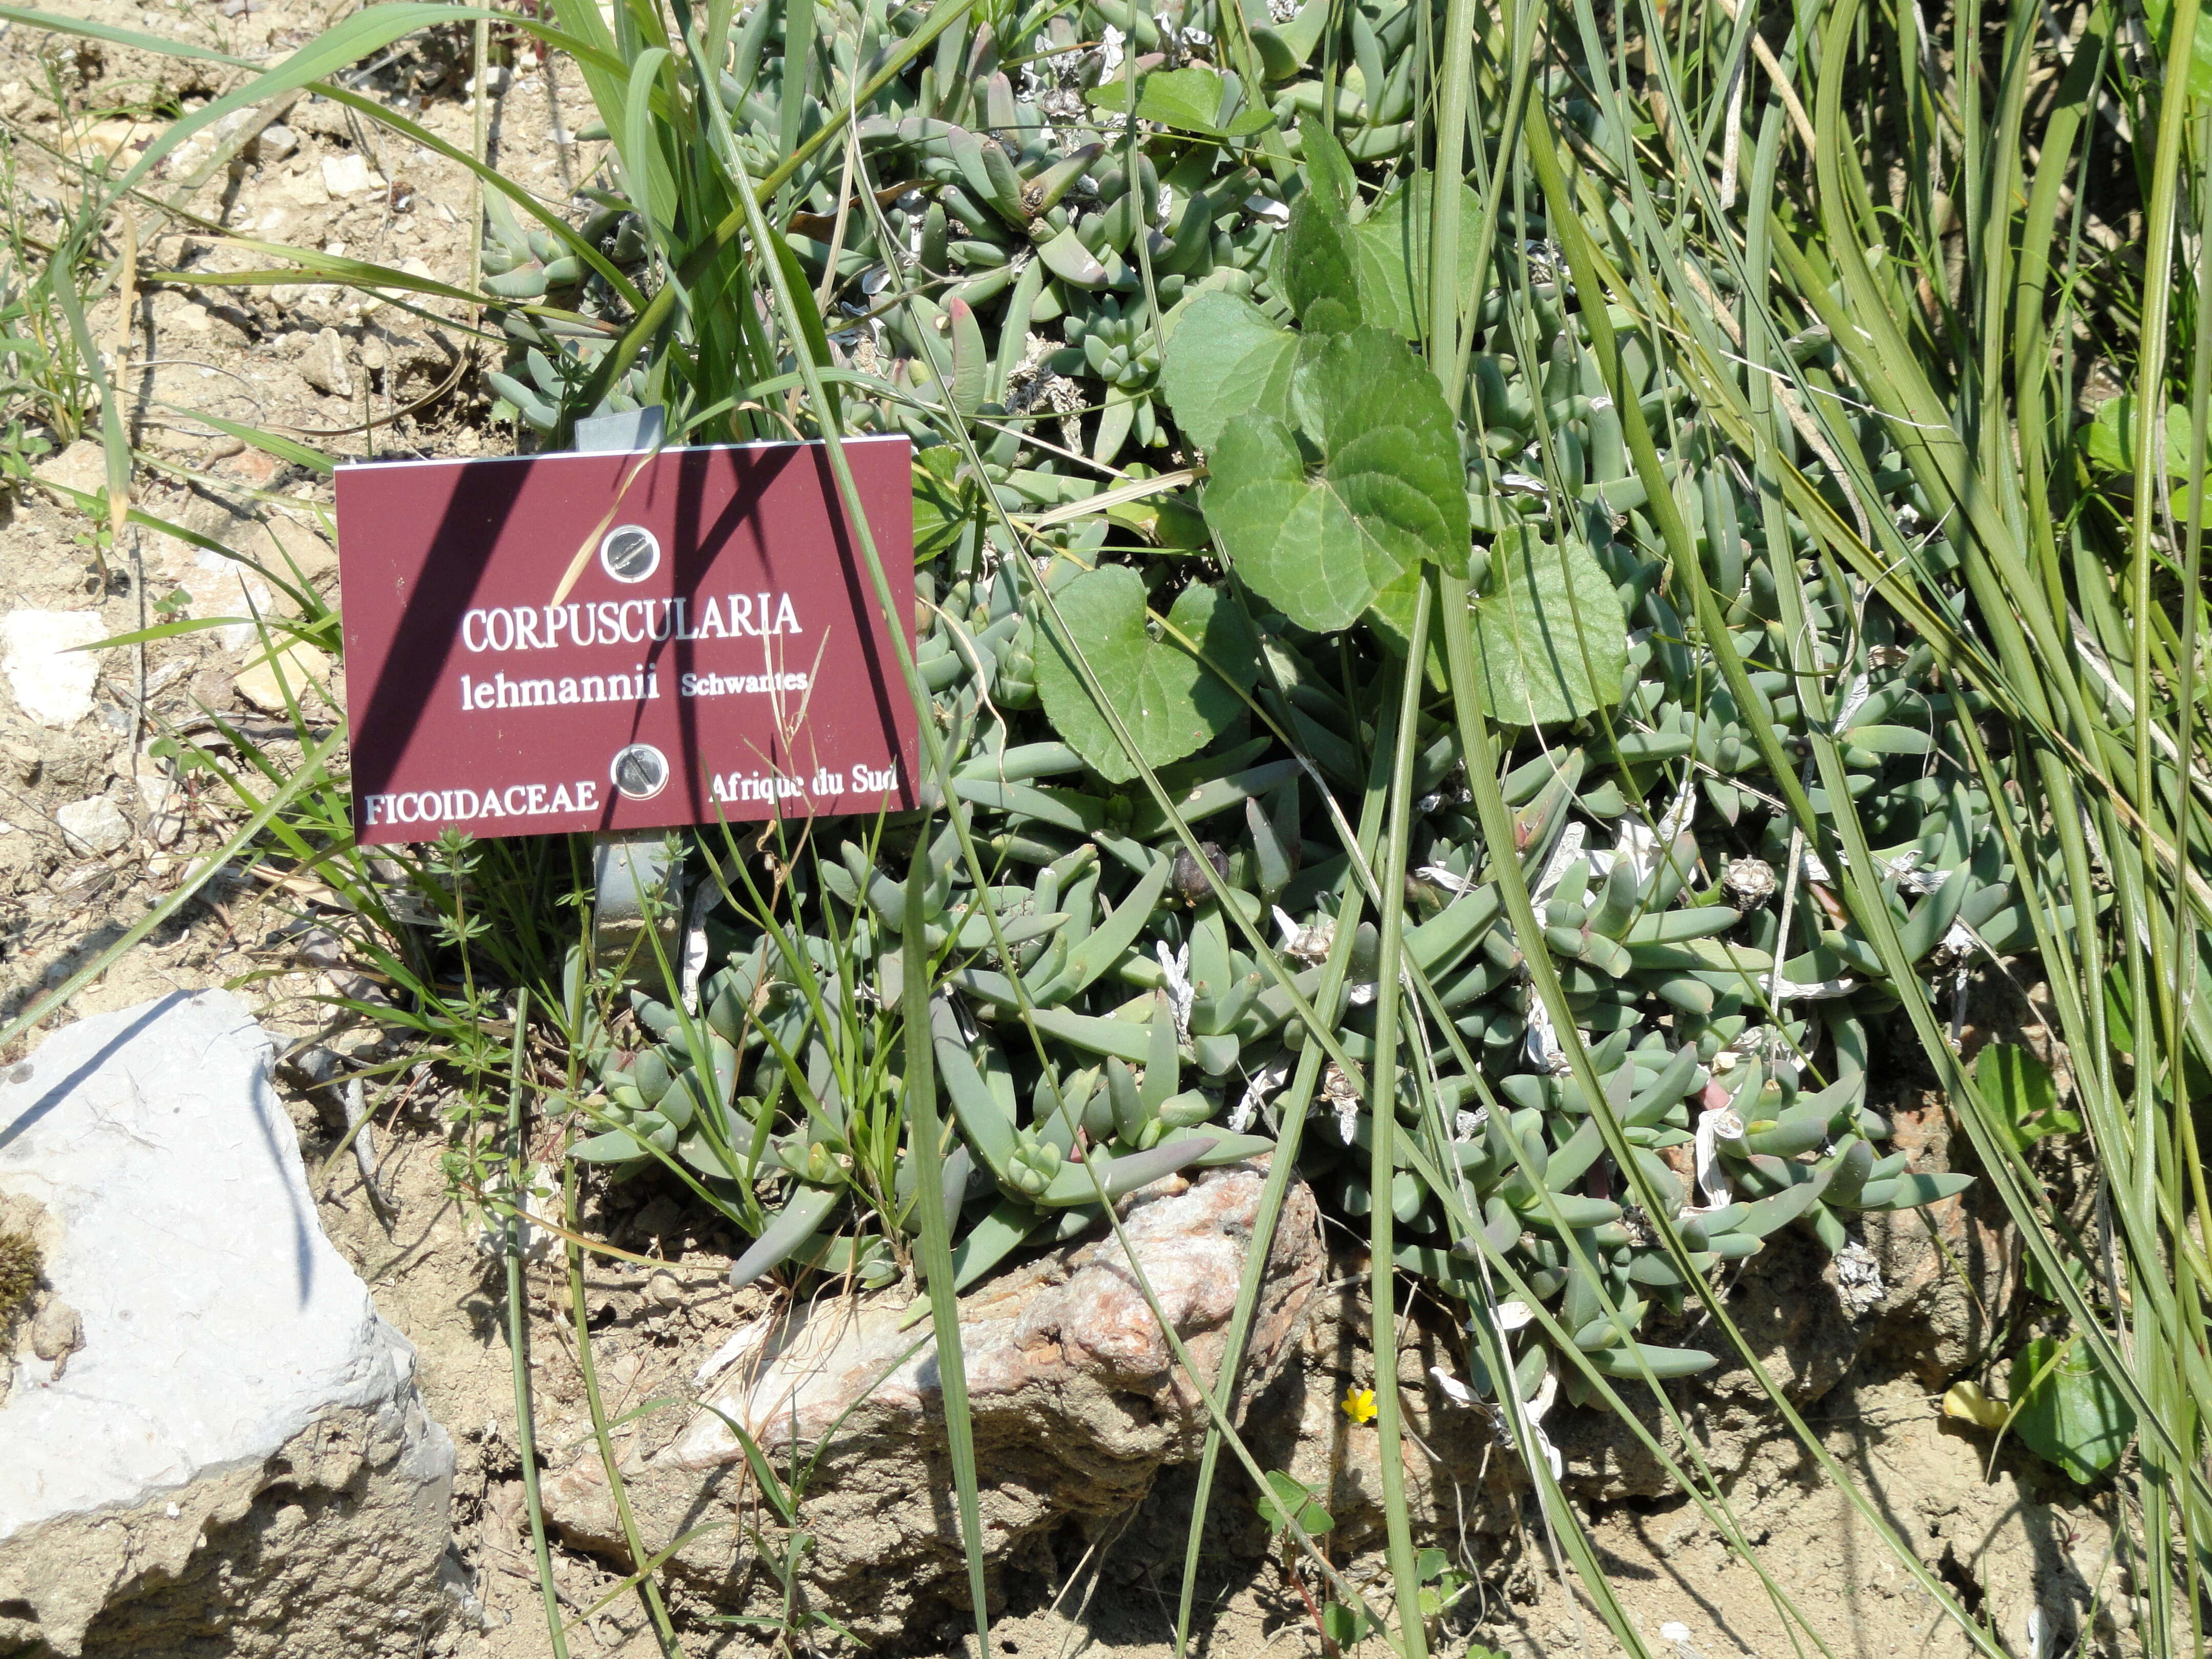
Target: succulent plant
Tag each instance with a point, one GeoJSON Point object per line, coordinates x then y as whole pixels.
{"type": "Point", "coordinates": [552, 344]}
{"type": "Point", "coordinates": [1207, 301]}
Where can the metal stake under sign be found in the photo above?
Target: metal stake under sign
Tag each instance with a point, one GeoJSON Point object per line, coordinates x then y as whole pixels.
{"type": "Point", "coordinates": [634, 882]}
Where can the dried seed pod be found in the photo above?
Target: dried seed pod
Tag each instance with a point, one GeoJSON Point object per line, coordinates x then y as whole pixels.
{"type": "Point", "coordinates": [1749, 882]}
{"type": "Point", "coordinates": [1188, 881]}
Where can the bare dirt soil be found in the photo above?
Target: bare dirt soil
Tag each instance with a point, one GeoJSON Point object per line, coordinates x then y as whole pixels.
{"type": "Point", "coordinates": [359, 380]}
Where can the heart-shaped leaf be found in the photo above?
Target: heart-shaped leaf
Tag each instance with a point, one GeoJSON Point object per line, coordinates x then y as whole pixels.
{"type": "Point", "coordinates": [1316, 262]}
{"type": "Point", "coordinates": [1289, 1503]}
{"type": "Point", "coordinates": [1390, 493]}
{"type": "Point", "coordinates": [2067, 1410]}
{"type": "Point", "coordinates": [1187, 99]}
{"type": "Point", "coordinates": [1170, 702]}
{"type": "Point", "coordinates": [2159, 15]}
{"type": "Point", "coordinates": [1550, 640]}
{"type": "Point", "coordinates": [942, 503]}
{"type": "Point", "coordinates": [1328, 169]}
{"type": "Point", "coordinates": [2024, 1092]}
{"type": "Point", "coordinates": [2110, 440]}
{"type": "Point", "coordinates": [1390, 249]}
{"type": "Point", "coordinates": [1320, 265]}
{"type": "Point", "coordinates": [1226, 359]}
{"type": "Point", "coordinates": [1338, 273]}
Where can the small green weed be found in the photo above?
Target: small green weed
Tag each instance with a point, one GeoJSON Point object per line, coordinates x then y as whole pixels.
{"type": "Point", "coordinates": [20, 1262]}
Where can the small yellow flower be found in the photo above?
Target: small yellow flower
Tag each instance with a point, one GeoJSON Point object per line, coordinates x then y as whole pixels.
{"type": "Point", "coordinates": [1359, 1405]}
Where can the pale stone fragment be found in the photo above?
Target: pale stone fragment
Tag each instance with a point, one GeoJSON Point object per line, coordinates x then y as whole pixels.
{"type": "Point", "coordinates": [209, 1427]}
{"type": "Point", "coordinates": [51, 678]}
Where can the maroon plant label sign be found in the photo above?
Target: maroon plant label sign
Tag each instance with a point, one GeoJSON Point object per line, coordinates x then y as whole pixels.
{"type": "Point", "coordinates": [721, 655]}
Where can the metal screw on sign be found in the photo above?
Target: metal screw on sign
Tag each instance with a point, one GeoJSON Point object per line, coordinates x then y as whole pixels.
{"type": "Point", "coordinates": [636, 884]}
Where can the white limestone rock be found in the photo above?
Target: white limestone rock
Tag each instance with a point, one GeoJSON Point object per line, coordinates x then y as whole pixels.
{"type": "Point", "coordinates": [96, 825]}
{"type": "Point", "coordinates": [232, 1450]}
{"type": "Point", "coordinates": [50, 678]}
{"type": "Point", "coordinates": [347, 174]}
{"type": "Point", "coordinates": [323, 366]}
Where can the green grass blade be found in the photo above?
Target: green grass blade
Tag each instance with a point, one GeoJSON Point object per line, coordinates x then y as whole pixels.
{"type": "Point", "coordinates": [1383, 1101]}
{"type": "Point", "coordinates": [518, 1331]}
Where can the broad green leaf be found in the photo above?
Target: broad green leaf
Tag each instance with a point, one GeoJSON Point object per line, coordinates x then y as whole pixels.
{"type": "Point", "coordinates": [1113, 97]}
{"type": "Point", "coordinates": [1550, 640]}
{"type": "Point", "coordinates": [2021, 1087]}
{"type": "Point", "coordinates": [1391, 615]}
{"type": "Point", "coordinates": [2159, 15]}
{"type": "Point", "coordinates": [1187, 99]}
{"type": "Point", "coordinates": [1436, 1597]}
{"type": "Point", "coordinates": [2109, 439]}
{"type": "Point", "coordinates": [1320, 266]}
{"type": "Point", "coordinates": [2067, 1411]}
{"type": "Point", "coordinates": [1390, 493]}
{"type": "Point", "coordinates": [1391, 248]}
{"type": "Point", "coordinates": [1316, 262]}
{"type": "Point", "coordinates": [1225, 359]}
{"type": "Point", "coordinates": [1169, 702]}
{"type": "Point", "coordinates": [1341, 1625]}
{"type": "Point", "coordinates": [1289, 1501]}
{"type": "Point", "coordinates": [1328, 169]}
{"type": "Point", "coordinates": [943, 505]}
